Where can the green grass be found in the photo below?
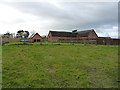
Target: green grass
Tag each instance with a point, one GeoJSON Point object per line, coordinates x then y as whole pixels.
{"type": "Point", "coordinates": [60, 66]}
{"type": "Point", "coordinates": [0, 66]}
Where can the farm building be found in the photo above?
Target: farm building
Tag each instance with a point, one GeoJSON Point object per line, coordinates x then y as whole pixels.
{"type": "Point", "coordinates": [35, 38]}
{"type": "Point", "coordinates": [75, 35]}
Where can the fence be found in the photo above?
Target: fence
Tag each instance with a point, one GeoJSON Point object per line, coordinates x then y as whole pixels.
{"type": "Point", "coordinates": [99, 41]}
{"type": "Point", "coordinates": [8, 40]}
{"type": "Point", "coordinates": [78, 41]}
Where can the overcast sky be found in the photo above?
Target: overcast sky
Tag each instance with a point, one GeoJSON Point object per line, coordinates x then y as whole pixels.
{"type": "Point", "coordinates": [62, 16]}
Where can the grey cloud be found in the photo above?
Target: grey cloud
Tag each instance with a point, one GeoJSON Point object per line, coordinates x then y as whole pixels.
{"type": "Point", "coordinates": [73, 14]}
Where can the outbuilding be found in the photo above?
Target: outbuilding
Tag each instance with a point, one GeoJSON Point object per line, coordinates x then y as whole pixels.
{"type": "Point", "coordinates": [75, 35]}
{"type": "Point", "coordinates": [35, 38]}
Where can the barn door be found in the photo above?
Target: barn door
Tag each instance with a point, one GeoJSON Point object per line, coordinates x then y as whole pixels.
{"type": "Point", "coordinates": [35, 40]}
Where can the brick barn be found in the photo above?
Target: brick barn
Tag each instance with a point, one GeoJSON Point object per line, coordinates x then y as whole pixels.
{"type": "Point", "coordinates": [74, 35]}
{"type": "Point", "coordinates": [35, 38]}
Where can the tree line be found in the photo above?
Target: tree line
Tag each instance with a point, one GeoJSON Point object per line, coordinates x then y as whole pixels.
{"type": "Point", "coordinates": [20, 34]}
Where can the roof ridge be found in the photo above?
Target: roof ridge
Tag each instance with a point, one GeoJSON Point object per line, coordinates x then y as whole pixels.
{"type": "Point", "coordinates": [34, 35]}
{"type": "Point", "coordinates": [58, 31]}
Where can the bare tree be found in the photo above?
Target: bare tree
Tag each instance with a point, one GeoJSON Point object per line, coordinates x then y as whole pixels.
{"type": "Point", "coordinates": [7, 35]}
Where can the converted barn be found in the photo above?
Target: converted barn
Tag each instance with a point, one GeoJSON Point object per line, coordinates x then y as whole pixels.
{"type": "Point", "coordinates": [74, 35]}
{"type": "Point", "coordinates": [35, 38]}
{"type": "Point", "coordinates": [87, 34]}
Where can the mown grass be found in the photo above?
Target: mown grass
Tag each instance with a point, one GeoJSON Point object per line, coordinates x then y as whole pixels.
{"type": "Point", "coordinates": [60, 66]}
{"type": "Point", "coordinates": [0, 66]}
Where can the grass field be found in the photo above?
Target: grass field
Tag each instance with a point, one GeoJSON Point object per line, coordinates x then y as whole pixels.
{"type": "Point", "coordinates": [60, 66]}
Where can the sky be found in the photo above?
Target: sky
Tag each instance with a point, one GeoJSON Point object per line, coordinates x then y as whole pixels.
{"type": "Point", "coordinates": [58, 15]}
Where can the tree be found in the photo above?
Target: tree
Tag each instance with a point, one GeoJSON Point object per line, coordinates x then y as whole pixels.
{"type": "Point", "coordinates": [22, 34]}
{"type": "Point", "coordinates": [26, 34]}
{"type": "Point", "coordinates": [7, 35]}
{"type": "Point", "coordinates": [19, 34]}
